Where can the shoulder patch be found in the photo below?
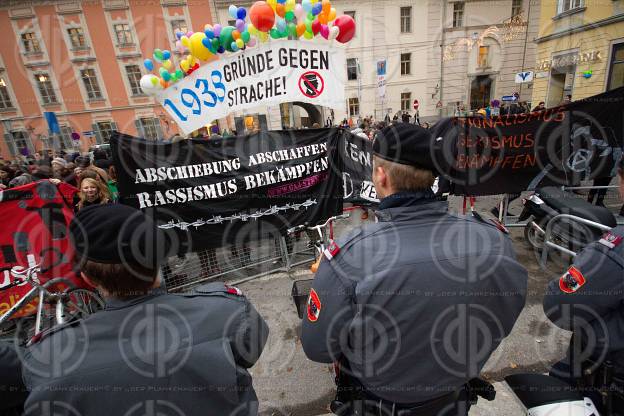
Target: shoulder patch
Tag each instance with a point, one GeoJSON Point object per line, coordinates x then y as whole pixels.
{"type": "Point", "coordinates": [610, 240]}
{"type": "Point", "coordinates": [572, 280]}
{"type": "Point", "coordinates": [216, 287]}
{"type": "Point", "coordinates": [233, 290]}
{"type": "Point", "coordinates": [314, 306]}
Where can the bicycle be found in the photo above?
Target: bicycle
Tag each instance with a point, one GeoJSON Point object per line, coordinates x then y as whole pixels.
{"type": "Point", "coordinates": [59, 301]}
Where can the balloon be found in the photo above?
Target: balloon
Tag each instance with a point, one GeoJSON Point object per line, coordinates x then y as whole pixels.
{"type": "Point", "coordinates": [167, 64]}
{"type": "Point", "coordinates": [233, 11]}
{"type": "Point", "coordinates": [149, 83]}
{"type": "Point", "coordinates": [221, 49]}
{"type": "Point", "coordinates": [166, 54]}
{"type": "Point", "coordinates": [226, 39]}
{"type": "Point", "coordinates": [280, 10]}
{"type": "Point", "coordinates": [316, 27]}
{"type": "Point", "coordinates": [274, 33]}
{"type": "Point", "coordinates": [242, 13]}
{"type": "Point", "coordinates": [179, 47]}
{"type": "Point", "coordinates": [184, 40]}
{"type": "Point", "coordinates": [272, 4]}
{"type": "Point", "coordinates": [184, 64]}
{"type": "Point", "coordinates": [322, 18]}
{"type": "Point", "coordinates": [281, 1]}
{"type": "Point", "coordinates": [166, 76]}
{"type": "Point", "coordinates": [252, 29]}
{"type": "Point", "coordinates": [334, 31]}
{"type": "Point", "coordinates": [236, 34]}
{"type": "Point", "coordinates": [158, 55]}
{"type": "Point", "coordinates": [240, 25]}
{"type": "Point", "coordinates": [162, 70]}
{"type": "Point", "coordinates": [299, 12]}
{"type": "Point", "coordinates": [197, 48]}
{"type": "Point", "coordinates": [332, 14]}
{"type": "Point", "coordinates": [239, 42]}
{"type": "Point", "coordinates": [179, 74]}
{"type": "Point", "coordinates": [306, 5]}
{"type": "Point", "coordinates": [264, 36]}
{"type": "Point", "coordinates": [308, 35]}
{"type": "Point", "coordinates": [262, 16]}
{"type": "Point", "coordinates": [292, 29]}
{"type": "Point", "coordinates": [325, 6]}
{"type": "Point", "coordinates": [310, 16]}
{"type": "Point", "coordinates": [215, 44]}
{"type": "Point", "coordinates": [149, 65]}
{"type": "Point", "coordinates": [209, 33]}
{"type": "Point", "coordinates": [233, 47]}
{"type": "Point", "coordinates": [325, 31]}
{"type": "Point", "coordinates": [280, 25]}
{"type": "Point", "coordinates": [317, 8]}
{"type": "Point", "coordinates": [217, 29]}
{"type": "Point", "coordinates": [179, 34]}
{"type": "Point", "coordinates": [301, 27]}
{"type": "Point", "coordinates": [289, 16]}
{"type": "Point", "coordinates": [245, 36]}
{"type": "Point", "coordinates": [346, 24]}
{"type": "Point", "coordinates": [308, 26]}
{"type": "Point", "coordinates": [208, 44]}
{"type": "Point", "coordinates": [252, 42]}
{"type": "Point", "coordinates": [163, 83]}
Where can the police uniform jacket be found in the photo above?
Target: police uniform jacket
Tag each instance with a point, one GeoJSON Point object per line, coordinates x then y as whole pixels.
{"type": "Point", "coordinates": [589, 299]}
{"type": "Point", "coordinates": [175, 354]}
{"type": "Point", "coordinates": [414, 304]}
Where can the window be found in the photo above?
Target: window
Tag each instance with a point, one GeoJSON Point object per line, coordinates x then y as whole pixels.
{"type": "Point", "coordinates": [21, 144]}
{"type": "Point", "coordinates": [134, 78]}
{"type": "Point", "coordinates": [232, 22]}
{"type": "Point", "coordinates": [104, 131]}
{"type": "Point", "coordinates": [123, 33]}
{"type": "Point", "coordinates": [406, 61]}
{"type": "Point", "coordinates": [179, 26]}
{"type": "Point", "coordinates": [5, 98]}
{"type": "Point", "coordinates": [66, 139]}
{"type": "Point", "coordinates": [351, 13]}
{"type": "Point", "coordinates": [567, 5]}
{"type": "Point", "coordinates": [458, 14]}
{"type": "Point", "coordinates": [406, 101]}
{"type": "Point", "coordinates": [616, 71]}
{"type": "Point", "coordinates": [76, 36]}
{"type": "Point", "coordinates": [406, 19]}
{"type": "Point", "coordinates": [482, 58]}
{"type": "Point", "coordinates": [354, 106]}
{"type": "Point", "coordinates": [352, 72]}
{"type": "Point", "coordinates": [44, 84]}
{"type": "Point", "coordinates": [91, 83]}
{"type": "Point", "coordinates": [150, 128]}
{"type": "Point", "coordinates": [516, 7]}
{"type": "Point", "coordinates": [30, 42]}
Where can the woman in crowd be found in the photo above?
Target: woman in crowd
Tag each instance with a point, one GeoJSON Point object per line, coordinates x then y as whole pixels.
{"type": "Point", "coordinates": [91, 192]}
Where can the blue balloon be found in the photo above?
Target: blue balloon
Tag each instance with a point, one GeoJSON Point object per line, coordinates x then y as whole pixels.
{"type": "Point", "coordinates": [149, 65]}
{"type": "Point", "coordinates": [232, 10]}
{"type": "Point", "coordinates": [207, 43]}
{"type": "Point", "coordinates": [317, 8]}
{"type": "Point", "coordinates": [166, 76]}
{"type": "Point", "coordinates": [307, 5]}
{"type": "Point", "coordinates": [209, 33]}
{"type": "Point", "coordinates": [281, 1]}
{"type": "Point", "coordinates": [179, 34]}
{"type": "Point", "coordinates": [166, 55]}
{"type": "Point", "coordinates": [241, 13]}
{"type": "Point", "coordinates": [234, 47]}
{"type": "Point", "coordinates": [221, 49]}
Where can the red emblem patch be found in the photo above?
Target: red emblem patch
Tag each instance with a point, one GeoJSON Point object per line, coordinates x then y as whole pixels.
{"type": "Point", "coordinates": [331, 250]}
{"type": "Point", "coordinates": [572, 280]}
{"type": "Point", "coordinates": [314, 306]}
{"type": "Point", "coordinates": [610, 240]}
{"type": "Point", "coordinates": [233, 290]}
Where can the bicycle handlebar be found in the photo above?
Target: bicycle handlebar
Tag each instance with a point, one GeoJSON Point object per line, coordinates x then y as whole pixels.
{"type": "Point", "coordinates": [316, 227]}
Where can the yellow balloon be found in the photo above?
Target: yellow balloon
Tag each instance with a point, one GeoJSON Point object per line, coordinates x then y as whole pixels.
{"type": "Point", "coordinates": [272, 3]}
{"type": "Point", "coordinates": [240, 43]}
{"type": "Point", "coordinates": [185, 41]}
{"type": "Point", "coordinates": [332, 15]}
{"type": "Point", "coordinates": [308, 35]}
{"type": "Point", "coordinates": [264, 36]}
{"type": "Point", "coordinates": [252, 29]}
{"type": "Point", "coordinates": [197, 48]}
{"type": "Point", "coordinates": [184, 65]}
{"type": "Point", "coordinates": [167, 64]}
{"type": "Point", "coordinates": [313, 1]}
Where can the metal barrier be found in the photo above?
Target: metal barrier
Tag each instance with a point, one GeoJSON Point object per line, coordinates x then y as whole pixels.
{"type": "Point", "coordinates": [548, 234]}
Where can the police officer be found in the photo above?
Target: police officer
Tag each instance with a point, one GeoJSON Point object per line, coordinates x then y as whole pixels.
{"type": "Point", "coordinates": [147, 352]}
{"type": "Point", "coordinates": [588, 299]}
{"type": "Point", "coordinates": [12, 390]}
{"type": "Point", "coordinates": [411, 307]}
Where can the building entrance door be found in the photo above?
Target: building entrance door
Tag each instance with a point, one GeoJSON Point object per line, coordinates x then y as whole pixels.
{"type": "Point", "coordinates": [480, 92]}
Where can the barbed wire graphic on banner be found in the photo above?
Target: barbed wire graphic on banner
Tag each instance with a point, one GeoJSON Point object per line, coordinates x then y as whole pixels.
{"type": "Point", "coordinates": [218, 219]}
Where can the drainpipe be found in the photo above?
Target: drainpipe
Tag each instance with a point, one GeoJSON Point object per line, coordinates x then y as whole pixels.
{"type": "Point", "coordinates": [442, 23]}
{"type": "Point", "coordinates": [526, 39]}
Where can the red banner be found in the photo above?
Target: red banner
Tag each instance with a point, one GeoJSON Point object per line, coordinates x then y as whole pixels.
{"type": "Point", "coordinates": [35, 219]}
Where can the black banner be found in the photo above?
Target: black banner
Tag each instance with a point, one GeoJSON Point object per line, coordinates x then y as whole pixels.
{"type": "Point", "coordinates": [357, 156]}
{"type": "Point", "coordinates": [512, 153]}
{"type": "Point", "coordinates": [212, 192]}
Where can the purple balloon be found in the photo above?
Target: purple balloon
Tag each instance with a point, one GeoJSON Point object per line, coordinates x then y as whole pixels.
{"type": "Point", "coordinates": [240, 25]}
{"type": "Point", "coordinates": [179, 34]}
{"type": "Point", "coordinates": [216, 29]}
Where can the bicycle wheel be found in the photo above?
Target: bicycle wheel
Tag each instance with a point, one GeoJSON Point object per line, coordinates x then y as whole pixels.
{"type": "Point", "coordinates": [80, 303]}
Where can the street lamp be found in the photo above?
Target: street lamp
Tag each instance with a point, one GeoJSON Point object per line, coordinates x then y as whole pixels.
{"type": "Point", "coordinates": [2, 82]}
{"type": "Point", "coordinates": [42, 78]}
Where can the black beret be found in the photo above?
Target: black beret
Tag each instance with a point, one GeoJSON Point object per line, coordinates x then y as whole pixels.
{"type": "Point", "coordinates": [118, 234]}
{"type": "Point", "coordinates": [405, 143]}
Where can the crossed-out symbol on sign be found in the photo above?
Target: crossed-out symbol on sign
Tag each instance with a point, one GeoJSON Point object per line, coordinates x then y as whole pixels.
{"type": "Point", "coordinates": [311, 84]}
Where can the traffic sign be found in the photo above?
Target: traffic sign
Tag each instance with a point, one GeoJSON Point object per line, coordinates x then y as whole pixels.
{"type": "Point", "coordinates": [416, 104]}
{"type": "Point", "coordinates": [509, 98]}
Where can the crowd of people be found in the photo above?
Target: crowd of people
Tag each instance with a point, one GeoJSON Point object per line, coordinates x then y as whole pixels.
{"type": "Point", "coordinates": [93, 174]}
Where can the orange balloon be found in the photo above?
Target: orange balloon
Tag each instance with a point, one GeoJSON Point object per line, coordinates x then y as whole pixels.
{"type": "Point", "coordinates": [322, 18]}
{"type": "Point", "coordinates": [280, 10]}
{"type": "Point", "coordinates": [163, 83]}
{"type": "Point", "coordinates": [326, 6]}
{"type": "Point", "coordinates": [236, 34]}
{"type": "Point", "coordinates": [301, 27]}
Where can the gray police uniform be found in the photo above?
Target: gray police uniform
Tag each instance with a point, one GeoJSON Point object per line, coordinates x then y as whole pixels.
{"type": "Point", "coordinates": [12, 390]}
{"type": "Point", "coordinates": [589, 300]}
{"type": "Point", "coordinates": [175, 354]}
{"type": "Point", "coordinates": [414, 304]}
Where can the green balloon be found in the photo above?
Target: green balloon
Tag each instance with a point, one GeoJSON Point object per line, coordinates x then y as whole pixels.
{"type": "Point", "coordinates": [310, 16]}
{"type": "Point", "coordinates": [179, 74]}
{"type": "Point", "coordinates": [292, 29]}
{"type": "Point", "coordinates": [215, 43]}
{"type": "Point", "coordinates": [308, 25]}
{"type": "Point", "coordinates": [275, 34]}
{"type": "Point", "coordinates": [245, 36]}
{"type": "Point", "coordinates": [158, 54]}
{"type": "Point", "coordinates": [225, 38]}
{"type": "Point", "coordinates": [162, 70]}
{"type": "Point", "coordinates": [289, 16]}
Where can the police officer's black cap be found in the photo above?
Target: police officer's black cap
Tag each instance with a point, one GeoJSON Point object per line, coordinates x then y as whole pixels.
{"type": "Point", "coordinates": [405, 143]}
{"type": "Point", "coordinates": [118, 234]}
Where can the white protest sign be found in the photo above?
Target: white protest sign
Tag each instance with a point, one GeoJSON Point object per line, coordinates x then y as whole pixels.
{"type": "Point", "coordinates": [272, 73]}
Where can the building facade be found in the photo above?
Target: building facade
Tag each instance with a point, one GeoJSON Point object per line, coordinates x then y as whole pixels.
{"type": "Point", "coordinates": [580, 49]}
{"type": "Point", "coordinates": [83, 61]}
{"type": "Point", "coordinates": [485, 45]}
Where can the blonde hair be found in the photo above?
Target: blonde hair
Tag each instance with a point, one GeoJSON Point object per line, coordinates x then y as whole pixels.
{"type": "Point", "coordinates": [405, 178]}
{"type": "Point", "coordinates": [103, 192]}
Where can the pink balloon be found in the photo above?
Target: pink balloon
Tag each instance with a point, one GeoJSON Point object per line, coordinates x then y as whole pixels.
{"type": "Point", "coordinates": [299, 12]}
{"type": "Point", "coordinates": [325, 31]}
{"type": "Point", "coordinates": [252, 42]}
